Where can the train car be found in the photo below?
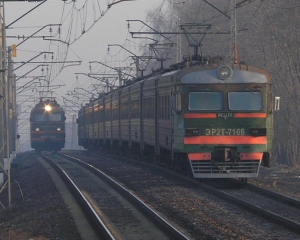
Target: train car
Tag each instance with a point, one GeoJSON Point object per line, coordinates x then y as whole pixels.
{"type": "Point", "coordinates": [47, 126]}
{"type": "Point", "coordinates": [212, 120]}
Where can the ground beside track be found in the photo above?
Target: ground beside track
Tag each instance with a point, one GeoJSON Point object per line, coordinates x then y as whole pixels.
{"type": "Point", "coordinates": [37, 209]}
{"type": "Point", "coordinates": [42, 214]}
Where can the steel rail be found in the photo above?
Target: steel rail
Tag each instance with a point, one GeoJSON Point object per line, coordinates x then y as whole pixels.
{"type": "Point", "coordinates": [271, 194]}
{"type": "Point", "coordinates": [268, 215]}
{"type": "Point", "coordinates": [99, 227]}
{"type": "Point", "coordinates": [158, 220]}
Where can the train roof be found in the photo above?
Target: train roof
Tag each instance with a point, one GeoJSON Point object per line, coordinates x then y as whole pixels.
{"type": "Point", "coordinates": [209, 74]}
{"type": "Point", "coordinates": [47, 101]}
{"type": "Point", "coordinates": [205, 73]}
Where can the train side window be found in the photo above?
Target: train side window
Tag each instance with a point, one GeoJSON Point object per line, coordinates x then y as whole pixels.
{"type": "Point", "coordinates": [247, 101]}
{"type": "Point", "coordinates": [167, 107]}
{"type": "Point", "coordinates": [176, 104]}
{"type": "Point", "coordinates": [277, 103]}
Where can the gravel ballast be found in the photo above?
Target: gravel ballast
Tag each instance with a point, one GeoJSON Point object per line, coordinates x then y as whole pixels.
{"type": "Point", "coordinates": [37, 209]}
{"type": "Point", "coordinates": [39, 212]}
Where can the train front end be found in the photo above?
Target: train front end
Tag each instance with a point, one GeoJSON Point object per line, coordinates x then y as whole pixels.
{"type": "Point", "coordinates": [47, 126]}
{"type": "Point", "coordinates": [227, 121]}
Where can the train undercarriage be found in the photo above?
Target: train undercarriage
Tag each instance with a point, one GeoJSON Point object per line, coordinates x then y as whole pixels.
{"type": "Point", "coordinates": [224, 162]}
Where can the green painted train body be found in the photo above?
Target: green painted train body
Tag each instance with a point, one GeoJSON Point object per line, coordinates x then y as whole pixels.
{"type": "Point", "coordinates": [212, 119]}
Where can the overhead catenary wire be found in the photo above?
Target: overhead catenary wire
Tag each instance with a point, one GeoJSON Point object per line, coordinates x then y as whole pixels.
{"type": "Point", "coordinates": [75, 22]}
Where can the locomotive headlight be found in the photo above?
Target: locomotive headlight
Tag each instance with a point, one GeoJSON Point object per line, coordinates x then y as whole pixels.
{"type": "Point", "coordinates": [224, 72]}
{"type": "Point", "coordinates": [58, 129]}
{"type": "Point", "coordinates": [37, 129]}
{"type": "Point", "coordinates": [47, 108]}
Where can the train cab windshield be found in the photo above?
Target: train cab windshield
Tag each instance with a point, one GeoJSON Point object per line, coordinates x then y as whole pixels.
{"type": "Point", "coordinates": [244, 101]}
{"type": "Point", "coordinates": [237, 101]}
{"type": "Point", "coordinates": [42, 117]}
{"type": "Point", "coordinates": [205, 101]}
{"type": "Point", "coordinates": [55, 117]}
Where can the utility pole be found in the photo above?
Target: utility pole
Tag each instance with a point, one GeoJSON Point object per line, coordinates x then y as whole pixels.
{"type": "Point", "coordinates": [178, 37]}
{"type": "Point", "coordinates": [1, 97]}
{"type": "Point", "coordinates": [233, 44]}
{"type": "Point", "coordinates": [73, 132]}
{"type": "Point", "coordinates": [12, 110]}
{"type": "Point", "coordinates": [4, 107]}
{"type": "Point", "coordinates": [178, 40]}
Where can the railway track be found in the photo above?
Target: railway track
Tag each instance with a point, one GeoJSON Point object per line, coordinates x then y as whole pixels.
{"type": "Point", "coordinates": [257, 212]}
{"type": "Point", "coordinates": [113, 211]}
{"type": "Point", "coordinates": [272, 206]}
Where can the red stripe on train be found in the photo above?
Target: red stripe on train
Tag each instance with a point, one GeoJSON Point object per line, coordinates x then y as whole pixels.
{"type": "Point", "coordinates": [250, 115]}
{"type": "Point", "coordinates": [200, 115]}
{"type": "Point", "coordinates": [207, 156]}
{"type": "Point", "coordinates": [251, 156]}
{"type": "Point", "coordinates": [225, 140]}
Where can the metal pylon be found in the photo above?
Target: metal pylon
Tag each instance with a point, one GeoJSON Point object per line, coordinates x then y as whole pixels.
{"type": "Point", "coordinates": [4, 108]}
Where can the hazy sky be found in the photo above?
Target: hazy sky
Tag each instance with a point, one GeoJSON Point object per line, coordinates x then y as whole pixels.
{"type": "Point", "coordinates": [92, 46]}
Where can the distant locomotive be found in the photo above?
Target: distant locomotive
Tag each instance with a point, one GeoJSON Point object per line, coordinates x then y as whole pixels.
{"type": "Point", "coordinates": [209, 119]}
{"type": "Point", "coordinates": [47, 126]}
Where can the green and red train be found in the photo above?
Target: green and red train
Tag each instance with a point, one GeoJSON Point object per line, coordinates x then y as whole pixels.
{"type": "Point", "coordinates": [212, 120]}
{"type": "Point", "coordinates": [47, 126]}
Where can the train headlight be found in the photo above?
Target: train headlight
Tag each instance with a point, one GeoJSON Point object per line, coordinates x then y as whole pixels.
{"type": "Point", "coordinates": [224, 72]}
{"type": "Point", "coordinates": [37, 129]}
{"type": "Point", "coordinates": [58, 129]}
{"type": "Point", "coordinates": [47, 108]}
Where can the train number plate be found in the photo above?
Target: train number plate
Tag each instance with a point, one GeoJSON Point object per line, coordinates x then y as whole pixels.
{"type": "Point", "coordinates": [224, 131]}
